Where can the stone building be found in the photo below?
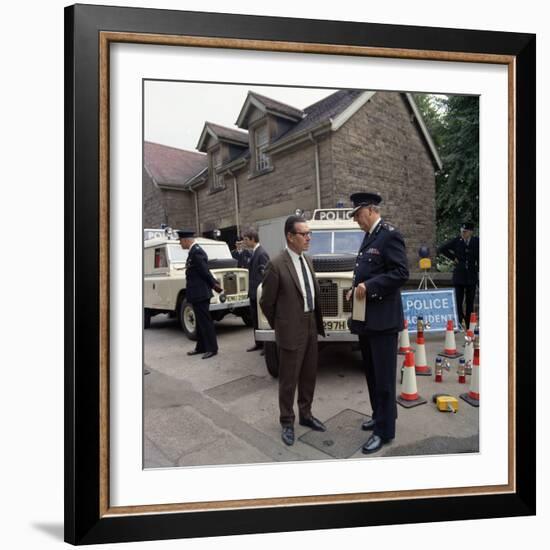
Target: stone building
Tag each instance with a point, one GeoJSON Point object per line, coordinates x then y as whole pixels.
{"type": "Point", "coordinates": [282, 159]}
{"type": "Point", "coordinates": [165, 170]}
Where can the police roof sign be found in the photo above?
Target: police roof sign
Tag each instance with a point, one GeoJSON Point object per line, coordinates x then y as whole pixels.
{"type": "Point", "coordinates": [436, 307]}
{"type": "Point", "coordinates": [332, 214]}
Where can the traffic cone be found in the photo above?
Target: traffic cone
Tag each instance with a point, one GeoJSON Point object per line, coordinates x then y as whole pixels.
{"type": "Point", "coordinates": [404, 341]}
{"type": "Point", "coordinates": [473, 321]}
{"type": "Point", "coordinates": [461, 371]}
{"type": "Point", "coordinates": [421, 366]}
{"type": "Point", "coordinates": [450, 342]}
{"type": "Point", "coordinates": [409, 394]}
{"type": "Point", "coordinates": [472, 397]}
{"type": "Point", "coordinates": [469, 351]}
{"type": "Point", "coordinates": [438, 369]}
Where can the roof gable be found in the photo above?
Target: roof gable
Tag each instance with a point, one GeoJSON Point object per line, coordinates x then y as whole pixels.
{"type": "Point", "coordinates": [266, 105]}
{"type": "Point", "coordinates": [221, 133]}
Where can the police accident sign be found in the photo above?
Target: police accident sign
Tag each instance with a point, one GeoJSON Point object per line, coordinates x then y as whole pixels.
{"type": "Point", "coordinates": [436, 307]}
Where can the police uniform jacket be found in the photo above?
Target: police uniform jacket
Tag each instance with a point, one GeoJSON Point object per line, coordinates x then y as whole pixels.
{"type": "Point", "coordinates": [199, 279]}
{"type": "Point", "coordinates": [466, 256]}
{"type": "Point", "coordinates": [382, 265]}
{"type": "Point", "coordinates": [283, 303]}
{"type": "Point", "coordinates": [256, 269]}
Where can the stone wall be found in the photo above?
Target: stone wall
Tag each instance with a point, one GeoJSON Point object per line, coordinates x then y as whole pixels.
{"type": "Point", "coordinates": [173, 208]}
{"type": "Point", "coordinates": [381, 149]}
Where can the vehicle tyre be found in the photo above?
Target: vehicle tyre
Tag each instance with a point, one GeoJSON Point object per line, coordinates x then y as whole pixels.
{"type": "Point", "coordinates": [333, 262]}
{"type": "Point", "coordinates": [271, 355]}
{"type": "Point", "coordinates": [246, 316]}
{"type": "Point", "coordinates": [147, 318]}
{"type": "Point", "coordinates": [187, 320]}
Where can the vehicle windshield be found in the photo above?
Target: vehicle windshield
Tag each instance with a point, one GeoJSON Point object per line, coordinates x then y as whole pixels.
{"type": "Point", "coordinates": [335, 242]}
{"type": "Point", "coordinates": [214, 251]}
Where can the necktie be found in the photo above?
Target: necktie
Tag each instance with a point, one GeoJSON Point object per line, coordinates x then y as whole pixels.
{"type": "Point", "coordinates": [306, 284]}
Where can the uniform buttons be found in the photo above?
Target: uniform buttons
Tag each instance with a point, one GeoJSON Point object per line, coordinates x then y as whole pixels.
{"type": "Point", "coordinates": [357, 264]}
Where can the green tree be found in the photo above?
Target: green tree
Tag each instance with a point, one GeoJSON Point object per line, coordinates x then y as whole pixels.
{"type": "Point", "coordinates": [453, 122]}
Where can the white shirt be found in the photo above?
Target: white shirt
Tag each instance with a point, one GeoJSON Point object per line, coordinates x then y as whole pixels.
{"type": "Point", "coordinates": [374, 226]}
{"type": "Point", "coordinates": [298, 267]}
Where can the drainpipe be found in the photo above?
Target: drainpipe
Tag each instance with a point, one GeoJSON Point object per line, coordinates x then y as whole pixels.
{"type": "Point", "coordinates": [317, 170]}
{"type": "Point", "coordinates": [198, 229]}
{"type": "Point", "coordinates": [236, 194]}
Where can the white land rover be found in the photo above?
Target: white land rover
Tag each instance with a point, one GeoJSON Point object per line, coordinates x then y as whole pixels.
{"type": "Point", "coordinates": [335, 241]}
{"type": "Point", "coordinates": [164, 280]}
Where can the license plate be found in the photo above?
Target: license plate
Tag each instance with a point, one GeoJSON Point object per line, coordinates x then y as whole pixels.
{"type": "Point", "coordinates": [235, 297]}
{"type": "Point", "coordinates": [335, 325]}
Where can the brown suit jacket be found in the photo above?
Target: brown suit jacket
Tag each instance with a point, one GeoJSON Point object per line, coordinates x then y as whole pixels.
{"type": "Point", "coordinates": [283, 304]}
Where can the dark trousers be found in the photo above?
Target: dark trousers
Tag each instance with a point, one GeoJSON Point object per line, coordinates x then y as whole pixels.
{"type": "Point", "coordinates": [470, 292]}
{"type": "Point", "coordinates": [206, 334]}
{"type": "Point", "coordinates": [380, 359]}
{"type": "Point", "coordinates": [254, 314]}
{"type": "Point", "coordinates": [298, 368]}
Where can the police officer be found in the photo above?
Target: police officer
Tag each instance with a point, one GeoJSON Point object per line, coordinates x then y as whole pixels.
{"type": "Point", "coordinates": [464, 251]}
{"type": "Point", "coordinates": [242, 254]}
{"type": "Point", "coordinates": [380, 271]}
{"type": "Point", "coordinates": [198, 292]}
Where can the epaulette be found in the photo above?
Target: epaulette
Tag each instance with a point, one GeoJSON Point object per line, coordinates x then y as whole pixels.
{"type": "Point", "coordinates": [388, 226]}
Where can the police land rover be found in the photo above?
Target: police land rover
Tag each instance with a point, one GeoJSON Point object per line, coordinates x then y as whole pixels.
{"type": "Point", "coordinates": [335, 241]}
{"type": "Point", "coordinates": [164, 280]}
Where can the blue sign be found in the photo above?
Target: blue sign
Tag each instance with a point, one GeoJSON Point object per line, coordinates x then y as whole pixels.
{"type": "Point", "coordinates": [436, 306]}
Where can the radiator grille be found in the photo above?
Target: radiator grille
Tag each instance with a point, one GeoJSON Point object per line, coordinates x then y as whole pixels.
{"type": "Point", "coordinates": [230, 283]}
{"type": "Point", "coordinates": [346, 304]}
{"type": "Point", "coordinates": [329, 298]}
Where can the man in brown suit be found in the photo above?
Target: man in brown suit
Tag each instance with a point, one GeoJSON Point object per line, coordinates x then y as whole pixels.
{"type": "Point", "coordinates": [290, 302]}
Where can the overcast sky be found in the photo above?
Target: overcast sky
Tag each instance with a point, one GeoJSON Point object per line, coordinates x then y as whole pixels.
{"type": "Point", "coordinates": [175, 112]}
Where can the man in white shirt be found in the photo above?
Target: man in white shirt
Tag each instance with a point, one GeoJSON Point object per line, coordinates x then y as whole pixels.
{"type": "Point", "coordinates": [290, 302]}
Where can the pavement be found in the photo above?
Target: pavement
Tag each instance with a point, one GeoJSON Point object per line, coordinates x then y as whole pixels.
{"type": "Point", "coordinates": [224, 410]}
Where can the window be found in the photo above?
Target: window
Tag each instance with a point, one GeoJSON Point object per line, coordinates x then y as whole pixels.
{"type": "Point", "coordinates": [216, 162]}
{"type": "Point", "coordinates": [336, 242]}
{"type": "Point", "coordinates": [261, 141]}
{"type": "Point", "coordinates": [160, 258]}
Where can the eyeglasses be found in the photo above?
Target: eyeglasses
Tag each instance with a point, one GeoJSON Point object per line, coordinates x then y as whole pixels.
{"type": "Point", "coordinates": [304, 234]}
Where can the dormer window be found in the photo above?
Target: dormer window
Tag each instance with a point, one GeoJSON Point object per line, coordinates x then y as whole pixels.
{"type": "Point", "coordinates": [261, 141]}
{"type": "Point", "coordinates": [215, 163]}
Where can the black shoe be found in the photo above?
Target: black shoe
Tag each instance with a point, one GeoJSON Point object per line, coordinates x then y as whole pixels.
{"type": "Point", "coordinates": [194, 352]}
{"type": "Point", "coordinates": [254, 348]}
{"type": "Point", "coordinates": [374, 443]}
{"type": "Point", "coordinates": [368, 425]}
{"type": "Point", "coordinates": [313, 423]}
{"type": "Point", "coordinates": [288, 435]}
{"type": "Point", "coordinates": [209, 354]}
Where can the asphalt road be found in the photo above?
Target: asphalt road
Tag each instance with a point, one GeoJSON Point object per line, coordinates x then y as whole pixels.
{"type": "Point", "coordinates": [224, 410]}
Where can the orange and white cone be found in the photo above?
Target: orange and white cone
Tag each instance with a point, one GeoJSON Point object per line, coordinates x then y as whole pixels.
{"type": "Point", "coordinates": [450, 342]}
{"type": "Point", "coordinates": [409, 393]}
{"type": "Point", "coordinates": [469, 351]}
{"type": "Point", "coordinates": [421, 365]}
{"type": "Point", "coordinates": [472, 397]}
{"type": "Point", "coordinates": [404, 341]}
{"type": "Point", "coordinates": [473, 321]}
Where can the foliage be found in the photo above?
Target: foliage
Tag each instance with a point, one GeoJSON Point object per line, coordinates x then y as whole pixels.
{"type": "Point", "coordinates": [453, 122]}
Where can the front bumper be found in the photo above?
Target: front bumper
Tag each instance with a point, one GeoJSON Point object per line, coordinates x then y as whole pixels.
{"type": "Point", "coordinates": [330, 336]}
{"type": "Point", "coordinates": [237, 304]}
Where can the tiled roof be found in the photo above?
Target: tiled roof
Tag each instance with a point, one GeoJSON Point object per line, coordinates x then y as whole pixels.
{"type": "Point", "coordinates": [171, 166]}
{"type": "Point", "coordinates": [322, 110]}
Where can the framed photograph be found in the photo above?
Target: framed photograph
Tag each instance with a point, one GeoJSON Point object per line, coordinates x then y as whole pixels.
{"type": "Point", "coordinates": [216, 124]}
